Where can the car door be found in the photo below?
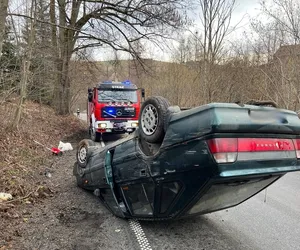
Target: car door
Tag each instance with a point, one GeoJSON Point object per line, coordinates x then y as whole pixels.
{"type": "Point", "coordinates": [108, 193]}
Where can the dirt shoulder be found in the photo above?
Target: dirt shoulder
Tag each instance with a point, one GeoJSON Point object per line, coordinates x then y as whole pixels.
{"type": "Point", "coordinates": [48, 210]}
{"type": "Point", "coordinates": [71, 218]}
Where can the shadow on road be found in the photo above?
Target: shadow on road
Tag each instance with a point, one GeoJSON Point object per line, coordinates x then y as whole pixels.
{"type": "Point", "coordinates": [113, 137]}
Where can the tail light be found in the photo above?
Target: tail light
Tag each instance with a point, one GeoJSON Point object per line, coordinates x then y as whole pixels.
{"type": "Point", "coordinates": [297, 147]}
{"type": "Point", "coordinates": [225, 150]}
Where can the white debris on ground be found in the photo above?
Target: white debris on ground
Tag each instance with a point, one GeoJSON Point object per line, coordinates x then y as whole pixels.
{"type": "Point", "coordinates": [5, 196]}
{"type": "Point", "coordinates": [64, 146]}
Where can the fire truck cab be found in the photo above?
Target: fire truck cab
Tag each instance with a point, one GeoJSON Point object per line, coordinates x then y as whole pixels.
{"type": "Point", "coordinates": [113, 107]}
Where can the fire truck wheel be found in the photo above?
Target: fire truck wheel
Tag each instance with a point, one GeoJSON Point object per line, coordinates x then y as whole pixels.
{"type": "Point", "coordinates": [95, 136]}
{"type": "Point", "coordinates": [84, 151]}
{"type": "Point", "coordinates": [152, 118]}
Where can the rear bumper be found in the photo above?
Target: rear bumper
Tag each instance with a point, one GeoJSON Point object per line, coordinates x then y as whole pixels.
{"type": "Point", "coordinates": [282, 162]}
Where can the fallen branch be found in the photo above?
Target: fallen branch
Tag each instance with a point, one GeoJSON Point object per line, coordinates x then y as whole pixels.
{"type": "Point", "coordinates": [25, 197]}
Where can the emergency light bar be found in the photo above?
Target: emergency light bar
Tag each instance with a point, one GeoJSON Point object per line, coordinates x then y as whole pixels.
{"type": "Point", "coordinates": [125, 85]}
{"type": "Point", "coordinates": [126, 82]}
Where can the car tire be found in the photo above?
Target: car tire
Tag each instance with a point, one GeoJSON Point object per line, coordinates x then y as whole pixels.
{"type": "Point", "coordinates": [171, 110]}
{"type": "Point", "coordinates": [152, 118]}
{"type": "Point", "coordinates": [84, 151]}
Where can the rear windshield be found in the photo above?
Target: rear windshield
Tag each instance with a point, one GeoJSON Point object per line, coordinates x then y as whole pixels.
{"type": "Point", "coordinates": [117, 95]}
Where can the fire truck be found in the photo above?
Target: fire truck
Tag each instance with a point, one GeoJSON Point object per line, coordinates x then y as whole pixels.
{"type": "Point", "coordinates": [113, 107]}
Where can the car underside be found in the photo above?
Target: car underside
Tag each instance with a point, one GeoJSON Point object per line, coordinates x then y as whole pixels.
{"type": "Point", "coordinates": [197, 161]}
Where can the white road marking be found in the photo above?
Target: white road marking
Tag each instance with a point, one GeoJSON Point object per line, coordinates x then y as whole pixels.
{"type": "Point", "coordinates": [137, 228]}
{"type": "Point", "coordinates": [140, 235]}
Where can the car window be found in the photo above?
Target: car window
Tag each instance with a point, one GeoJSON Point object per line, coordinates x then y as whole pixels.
{"type": "Point", "coordinates": [117, 95]}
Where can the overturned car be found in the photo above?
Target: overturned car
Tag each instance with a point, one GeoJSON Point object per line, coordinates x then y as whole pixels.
{"type": "Point", "coordinates": [183, 163]}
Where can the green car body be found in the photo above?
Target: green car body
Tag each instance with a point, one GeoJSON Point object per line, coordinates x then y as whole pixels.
{"type": "Point", "coordinates": [190, 172]}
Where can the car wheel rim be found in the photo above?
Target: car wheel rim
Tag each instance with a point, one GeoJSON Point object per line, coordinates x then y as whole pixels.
{"type": "Point", "coordinates": [149, 119]}
{"type": "Point", "coordinates": [82, 155]}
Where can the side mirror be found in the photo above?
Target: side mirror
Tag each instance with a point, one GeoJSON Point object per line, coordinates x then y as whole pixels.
{"type": "Point", "coordinates": [108, 169]}
{"type": "Point", "coordinates": [143, 92]}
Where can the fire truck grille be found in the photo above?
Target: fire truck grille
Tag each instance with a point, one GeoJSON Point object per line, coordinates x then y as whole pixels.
{"type": "Point", "coordinates": [118, 112]}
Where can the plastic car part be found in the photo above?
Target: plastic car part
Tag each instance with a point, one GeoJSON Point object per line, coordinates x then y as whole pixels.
{"type": "Point", "coordinates": [297, 147]}
{"type": "Point", "coordinates": [225, 150]}
{"type": "Point", "coordinates": [84, 152]}
{"type": "Point", "coordinates": [152, 119]}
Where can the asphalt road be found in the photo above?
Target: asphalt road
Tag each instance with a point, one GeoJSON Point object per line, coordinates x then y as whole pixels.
{"type": "Point", "coordinates": [82, 116]}
{"type": "Point", "coordinates": [270, 220]}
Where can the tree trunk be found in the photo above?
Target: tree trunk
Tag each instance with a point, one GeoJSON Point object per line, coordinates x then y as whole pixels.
{"type": "Point", "coordinates": [3, 15]}
{"type": "Point", "coordinates": [64, 95]}
{"type": "Point", "coordinates": [65, 48]}
{"type": "Point", "coordinates": [64, 92]}
{"type": "Point", "coordinates": [23, 86]}
{"type": "Point", "coordinates": [26, 61]}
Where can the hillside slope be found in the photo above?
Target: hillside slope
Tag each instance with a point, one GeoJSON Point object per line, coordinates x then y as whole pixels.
{"type": "Point", "coordinates": [26, 166]}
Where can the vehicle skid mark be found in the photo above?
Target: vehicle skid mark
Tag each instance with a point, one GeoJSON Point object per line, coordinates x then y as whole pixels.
{"type": "Point", "coordinates": [140, 235]}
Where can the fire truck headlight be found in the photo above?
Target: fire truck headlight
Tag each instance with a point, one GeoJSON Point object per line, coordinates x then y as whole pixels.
{"type": "Point", "coordinates": [102, 125]}
{"type": "Point", "coordinates": [134, 124]}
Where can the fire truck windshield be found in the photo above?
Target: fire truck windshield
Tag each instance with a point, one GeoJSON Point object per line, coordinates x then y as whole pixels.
{"type": "Point", "coordinates": [117, 95]}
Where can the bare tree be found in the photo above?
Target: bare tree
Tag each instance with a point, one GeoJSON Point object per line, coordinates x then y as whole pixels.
{"type": "Point", "coordinates": [3, 15]}
{"type": "Point", "coordinates": [216, 20]}
{"type": "Point", "coordinates": [117, 24]}
{"type": "Point", "coordinates": [278, 42]}
{"type": "Point", "coordinates": [25, 66]}
{"type": "Point", "coordinates": [183, 50]}
{"type": "Point", "coordinates": [286, 14]}
{"type": "Point", "coordinates": [269, 37]}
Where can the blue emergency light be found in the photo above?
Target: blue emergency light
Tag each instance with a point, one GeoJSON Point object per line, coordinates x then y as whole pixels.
{"type": "Point", "coordinates": [110, 110]}
{"type": "Point", "coordinates": [126, 82]}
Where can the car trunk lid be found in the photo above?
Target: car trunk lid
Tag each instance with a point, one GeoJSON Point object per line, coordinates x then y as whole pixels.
{"type": "Point", "coordinates": [230, 118]}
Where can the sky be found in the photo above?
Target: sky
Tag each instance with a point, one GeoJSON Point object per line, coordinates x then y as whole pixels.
{"type": "Point", "coordinates": [244, 10]}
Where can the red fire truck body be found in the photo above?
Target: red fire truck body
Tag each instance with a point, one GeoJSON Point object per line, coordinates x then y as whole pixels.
{"type": "Point", "coordinates": [113, 107]}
